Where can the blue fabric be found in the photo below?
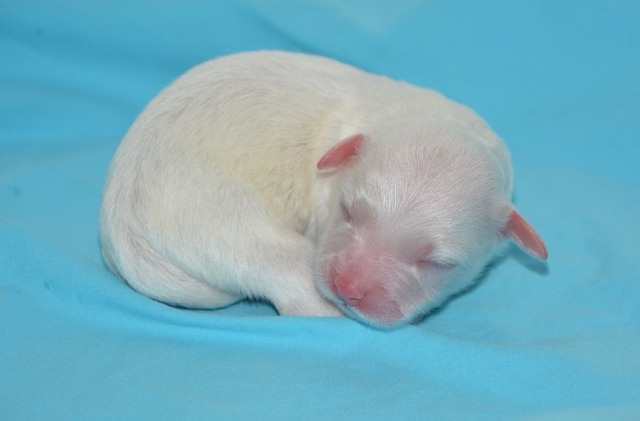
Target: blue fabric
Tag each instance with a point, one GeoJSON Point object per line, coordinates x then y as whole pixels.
{"type": "Point", "coordinates": [557, 80]}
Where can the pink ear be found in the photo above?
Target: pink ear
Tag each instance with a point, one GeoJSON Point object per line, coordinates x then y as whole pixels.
{"type": "Point", "coordinates": [341, 153]}
{"type": "Point", "coordinates": [525, 236]}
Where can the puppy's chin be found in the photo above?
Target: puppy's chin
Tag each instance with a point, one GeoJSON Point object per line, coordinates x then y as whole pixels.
{"type": "Point", "coordinates": [377, 313]}
{"type": "Point", "coordinates": [386, 318]}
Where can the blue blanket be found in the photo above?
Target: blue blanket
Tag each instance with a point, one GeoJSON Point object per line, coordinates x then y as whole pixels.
{"type": "Point", "coordinates": [557, 80]}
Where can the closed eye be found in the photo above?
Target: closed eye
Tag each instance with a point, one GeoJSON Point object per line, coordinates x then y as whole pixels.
{"type": "Point", "coordinates": [346, 214]}
{"type": "Point", "coordinates": [445, 265]}
{"type": "Point", "coordinates": [437, 264]}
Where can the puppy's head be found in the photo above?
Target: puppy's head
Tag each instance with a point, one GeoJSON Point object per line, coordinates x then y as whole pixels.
{"type": "Point", "coordinates": [411, 222]}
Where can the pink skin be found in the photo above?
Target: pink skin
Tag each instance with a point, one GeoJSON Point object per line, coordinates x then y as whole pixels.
{"type": "Point", "coordinates": [341, 153]}
{"type": "Point", "coordinates": [524, 235]}
{"type": "Point", "coordinates": [375, 281]}
{"type": "Point", "coordinates": [362, 290]}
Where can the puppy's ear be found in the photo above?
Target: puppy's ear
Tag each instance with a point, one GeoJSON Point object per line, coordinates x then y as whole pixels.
{"type": "Point", "coordinates": [341, 153]}
{"type": "Point", "coordinates": [523, 234]}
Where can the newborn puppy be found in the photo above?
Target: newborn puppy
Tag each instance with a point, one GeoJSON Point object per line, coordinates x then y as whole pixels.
{"type": "Point", "coordinates": [311, 184]}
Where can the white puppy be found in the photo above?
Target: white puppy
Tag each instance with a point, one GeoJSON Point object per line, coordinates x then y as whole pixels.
{"type": "Point", "coordinates": [311, 184]}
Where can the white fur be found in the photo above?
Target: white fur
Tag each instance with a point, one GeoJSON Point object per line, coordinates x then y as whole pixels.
{"type": "Point", "coordinates": [213, 195]}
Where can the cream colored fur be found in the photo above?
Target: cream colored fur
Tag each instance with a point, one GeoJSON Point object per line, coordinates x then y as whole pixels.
{"type": "Point", "coordinates": [213, 195]}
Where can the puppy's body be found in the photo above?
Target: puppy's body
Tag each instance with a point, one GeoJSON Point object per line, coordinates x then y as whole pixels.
{"type": "Point", "coordinates": [214, 194]}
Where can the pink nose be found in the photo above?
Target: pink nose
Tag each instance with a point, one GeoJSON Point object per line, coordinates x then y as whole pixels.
{"type": "Point", "coordinates": [348, 290]}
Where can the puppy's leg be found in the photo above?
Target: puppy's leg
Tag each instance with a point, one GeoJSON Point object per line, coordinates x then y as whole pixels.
{"type": "Point", "coordinates": [159, 278]}
{"type": "Point", "coordinates": [215, 244]}
{"type": "Point", "coordinates": [288, 278]}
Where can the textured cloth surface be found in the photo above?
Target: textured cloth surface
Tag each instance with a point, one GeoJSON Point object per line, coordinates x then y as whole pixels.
{"type": "Point", "coordinates": [557, 80]}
